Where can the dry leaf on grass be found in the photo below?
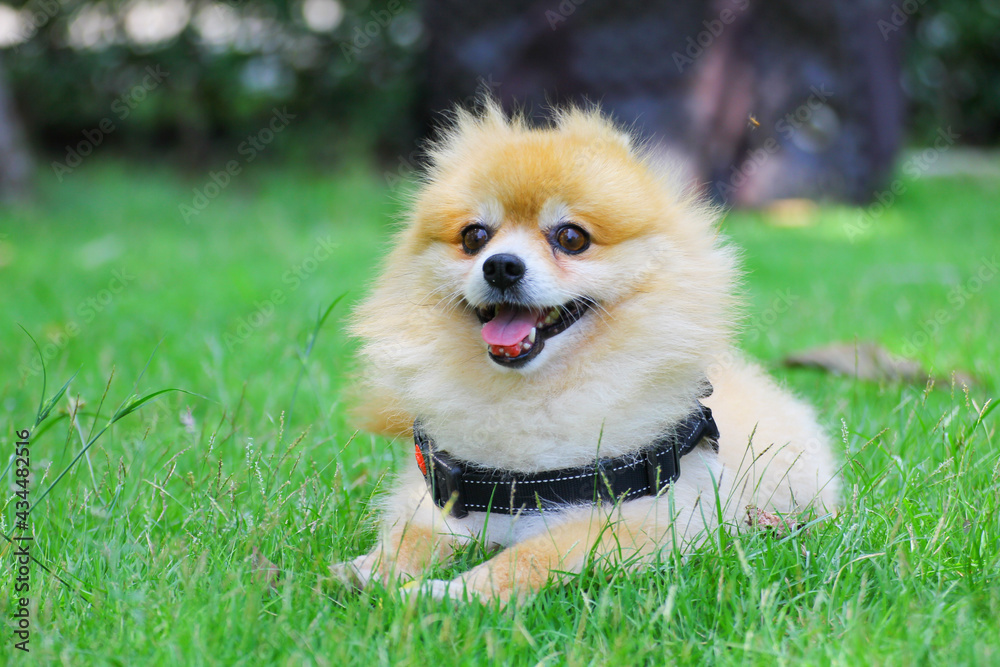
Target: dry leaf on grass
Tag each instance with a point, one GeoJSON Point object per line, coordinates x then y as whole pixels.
{"type": "Point", "coordinates": [264, 570]}
{"type": "Point", "coordinates": [758, 518]}
{"type": "Point", "coordinates": [870, 361]}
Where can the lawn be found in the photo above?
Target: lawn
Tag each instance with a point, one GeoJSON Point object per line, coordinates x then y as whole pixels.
{"type": "Point", "coordinates": [151, 538]}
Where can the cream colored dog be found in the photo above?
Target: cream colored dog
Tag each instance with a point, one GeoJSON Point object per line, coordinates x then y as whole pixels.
{"type": "Point", "coordinates": [553, 299]}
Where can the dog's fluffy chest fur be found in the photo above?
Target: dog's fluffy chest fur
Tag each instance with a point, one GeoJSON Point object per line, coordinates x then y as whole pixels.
{"type": "Point", "coordinates": [548, 424]}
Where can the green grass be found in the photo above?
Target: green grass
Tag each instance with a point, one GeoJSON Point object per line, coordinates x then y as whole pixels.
{"type": "Point", "coordinates": [154, 530]}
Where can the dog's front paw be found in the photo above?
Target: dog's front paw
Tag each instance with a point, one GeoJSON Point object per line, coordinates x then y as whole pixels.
{"type": "Point", "coordinates": [439, 589]}
{"type": "Point", "coordinates": [355, 573]}
{"type": "Point", "coordinates": [459, 590]}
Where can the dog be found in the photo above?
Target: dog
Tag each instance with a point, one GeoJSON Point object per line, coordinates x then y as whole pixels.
{"type": "Point", "coordinates": [554, 327]}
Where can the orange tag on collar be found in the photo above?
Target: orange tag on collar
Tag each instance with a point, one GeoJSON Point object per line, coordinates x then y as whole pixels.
{"type": "Point", "coordinates": [420, 459]}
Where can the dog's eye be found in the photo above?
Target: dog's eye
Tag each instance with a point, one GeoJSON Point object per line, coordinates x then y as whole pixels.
{"type": "Point", "coordinates": [474, 237]}
{"type": "Point", "coordinates": [572, 239]}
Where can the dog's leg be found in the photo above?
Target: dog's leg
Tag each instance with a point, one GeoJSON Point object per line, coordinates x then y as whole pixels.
{"type": "Point", "coordinates": [400, 554]}
{"type": "Point", "coordinates": [414, 535]}
{"type": "Point", "coordinates": [629, 534]}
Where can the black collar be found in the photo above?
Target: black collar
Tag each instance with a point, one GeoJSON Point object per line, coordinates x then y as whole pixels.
{"type": "Point", "coordinates": [472, 488]}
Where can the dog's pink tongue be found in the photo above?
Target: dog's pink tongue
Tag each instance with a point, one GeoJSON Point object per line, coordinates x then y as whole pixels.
{"type": "Point", "coordinates": [510, 326]}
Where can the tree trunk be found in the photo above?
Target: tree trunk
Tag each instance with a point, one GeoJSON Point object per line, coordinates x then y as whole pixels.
{"type": "Point", "coordinates": [15, 161]}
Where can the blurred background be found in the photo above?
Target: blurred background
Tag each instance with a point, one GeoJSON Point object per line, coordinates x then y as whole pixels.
{"type": "Point", "coordinates": [766, 100]}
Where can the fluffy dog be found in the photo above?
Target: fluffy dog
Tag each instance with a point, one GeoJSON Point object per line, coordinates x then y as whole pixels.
{"type": "Point", "coordinates": [554, 303]}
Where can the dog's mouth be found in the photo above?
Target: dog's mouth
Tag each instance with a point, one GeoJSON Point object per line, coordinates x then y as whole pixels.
{"type": "Point", "coordinates": [514, 334]}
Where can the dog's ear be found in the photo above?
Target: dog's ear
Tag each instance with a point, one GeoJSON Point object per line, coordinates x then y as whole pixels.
{"type": "Point", "coordinates": [595, 128]}
{"type": "Point", "coordinates": [462, 136]}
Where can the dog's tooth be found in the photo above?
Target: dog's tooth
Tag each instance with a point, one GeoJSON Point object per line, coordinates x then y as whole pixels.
{"type": "Point", "coordinates": [525, 346]}
{"type": "Point", "coordinates": [531, 336]}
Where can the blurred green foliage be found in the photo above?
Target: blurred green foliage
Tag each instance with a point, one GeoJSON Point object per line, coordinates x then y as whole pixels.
{"type": "Point", "coordinates": [349, 74]}
{"type": "Point", "coordinates": [351, 71]}
{"type": "Point", "coordinates": [952, 70]}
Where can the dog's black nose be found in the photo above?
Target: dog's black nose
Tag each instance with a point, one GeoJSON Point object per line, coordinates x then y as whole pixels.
{"type": "Point", "coordinates": [503, 270]}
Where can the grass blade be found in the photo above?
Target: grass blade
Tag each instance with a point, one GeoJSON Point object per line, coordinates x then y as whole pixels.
{"type": "Point", "coordinates": [129, 406]}
{"type": "Point", "coordinates": [304, 358]}
{"type": "Point", "coordinates": [44, 411]}
{"type": "Point", "coordinates": [979, 420]}
{"type": "Point", "coordinates": [134, 403]}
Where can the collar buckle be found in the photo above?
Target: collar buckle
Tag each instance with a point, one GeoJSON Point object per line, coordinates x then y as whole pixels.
{"type": "Point", "coordinates": [442, 473]}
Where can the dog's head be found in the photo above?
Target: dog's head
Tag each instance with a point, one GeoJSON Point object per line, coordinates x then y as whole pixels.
{"type": "Point", "coordinates": [547, 252]}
